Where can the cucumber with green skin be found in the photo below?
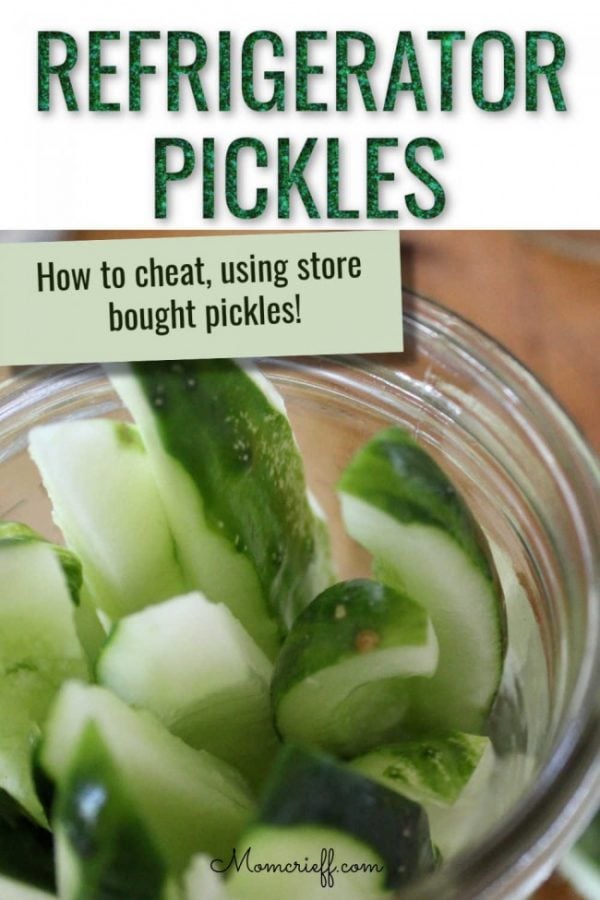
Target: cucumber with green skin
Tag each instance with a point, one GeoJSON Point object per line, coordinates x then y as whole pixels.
{"type": "Point", "coordinates": [89, 628]}
{"type": "Point", "coordinates": [188, 800]}
{"type": "Point", "coordinates": [26, 850]}
{"type": "Point", "coordinates": [312, 804]}
{"type": "Point", "coordinates": [399, 504]}
{"type": "Point", "coordinates": [104, 851]}
{"type": "Point", "coordinates": [447, 774]}
{"type": "Point", "coordinates": [342, 681]}
{"type": "Point", "coordinates": [232, 481]}
{"type": "Point", "coordinates": [99, 479]}
{"type": "Point", "coordinates": [192, 664]}
{"type": "Point", "coordinates": [15, 533]}
{"type": "Point", "coordinates": [39, 649]}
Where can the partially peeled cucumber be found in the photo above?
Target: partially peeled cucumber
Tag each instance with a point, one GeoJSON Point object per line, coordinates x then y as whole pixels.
{"type": "Point", "coordinates": [193, 665]}
{"type": "Point", "coordinates": [39, 649]}
{"type": "Point", "coordinates": [399, 504]}
{"type": "Point", "coordinates": [351, 838]}
{"type": "Point", "coordinates": [99, 479]}
{"type": "Point", "coordinates": [448, 774]}
{"type": "Point", "coordinates": [186, 800]}
{"type": "Point", "coordinates": [90, 630]}
{"type": "Point", "coordinates": [232, 482]}
{"type": "Point", "coordinates": [343, 679]}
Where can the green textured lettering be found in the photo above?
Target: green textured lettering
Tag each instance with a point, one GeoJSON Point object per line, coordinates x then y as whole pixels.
{"type": "Point", "coordinates": [358, 70]}
{"type": "Point", "coordinates": [163, 175]}
{"type": "Point", "coordinates": [277, 99]}
{"type": "Point", "coordinates": [375, 177]}
{"type": "Point", "coordinates": [136, 69]}
{"type": "Point", "coordinates": [97, 71]}
{"type": "Point", "coordinates": [535, 71]}
{"type": "Point", "coordinates": [176, 69]}
{"type": "Point", "coordinates": [477, 71]}
{"type": "Point", "coordinates": [405, 50]}
{"type": "Point", "coordinates": [61, 70]}
{"type": "Point", "coordinates": [293, 176]}
{"type": "Point", "coordinates": [232, 176]}
{"type": "Point", "coordinates": [447, 40]}
{"type": "Point", "coordinates": [424, 176]}
{"type": "Point", "coordinates": [304, 69]}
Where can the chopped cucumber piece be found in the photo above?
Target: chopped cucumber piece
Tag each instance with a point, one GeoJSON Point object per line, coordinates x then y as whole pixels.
{"type": "Point", "coordinates": [188, 800]}
{"type": "Point", "coordinates": [18, 533]}
{"type": "Point", "coordinates": [26, 854]}
{"type": "Point", "coordinates": [192, 664]}
{"type": "Point", "coordinates": [316, 809]}
{"type": "Point", "coordinates": [398, 503]}
{"type": "Point", "coordinates": [446, 774]}
{"type": "Point", "coordinates": [87, 624]}
{"type": "Point", "coordinates": [106, 503]}
{"type": "Point", "coordinates": [39, 649]}
{"type": "Point", "coordinates": [342, 679]}
{"type": "Point", "coordinates": [232, 480]}
{"type": "Point", "coordinates": [103, 847]}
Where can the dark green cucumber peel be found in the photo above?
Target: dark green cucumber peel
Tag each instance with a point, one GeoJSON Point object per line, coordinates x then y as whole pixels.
{"type": "Point", "coordinates": [306, 788]}
{"type": "Point", "coordinates": [332, 628]}
{"type": "Point", "coordinates": [115, 856]}
{"type": "Point", "coordinates": [26, 850]}
{"type": "Point", "coordinates": [392, 477]}
{"type": "Point", "coordinates": [12, 533]}
{"type": "Point", "coordinates": [251, 479]}
{"type": "Point", "coordinates": [436, 766]}
{"type": "Point", "coordinates": [393, 473]}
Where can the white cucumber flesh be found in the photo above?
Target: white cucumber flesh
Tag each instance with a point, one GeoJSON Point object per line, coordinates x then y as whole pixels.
{"type": "Point", "coordinates": [39, 649]}
{"type": "Point", "coordinates": [398, 503]}
{"type": "Point", "coordinates": [99, 479]}
{"type": "Point", "coordinates": [192, 664]}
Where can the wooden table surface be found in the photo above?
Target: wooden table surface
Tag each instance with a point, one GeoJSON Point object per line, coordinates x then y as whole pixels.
{"type": "Point", "coordinates": [536, 292]}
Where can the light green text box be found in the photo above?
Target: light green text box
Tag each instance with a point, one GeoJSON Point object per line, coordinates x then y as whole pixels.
{"type": "Point", "coordinates": [46, 318]}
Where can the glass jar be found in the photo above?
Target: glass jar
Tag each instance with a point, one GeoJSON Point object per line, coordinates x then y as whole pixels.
{"type": "Point", "coordinates": [534, 486]}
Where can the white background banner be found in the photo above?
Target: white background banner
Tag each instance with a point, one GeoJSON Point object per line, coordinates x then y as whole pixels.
{"type": "Point", "coordinates": [92, 169]}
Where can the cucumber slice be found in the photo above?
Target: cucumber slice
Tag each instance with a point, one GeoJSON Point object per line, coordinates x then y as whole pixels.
{"type": "Point", "coordinates": [192, 664]}
{"type": "Point", "coordinates": [188, 800]}
{"type": "Point", "coordinates": [447, 774]}
{"type": "Point", "coordinates": [104, 499]}
{"type": "Point", "coordinates": [232, 480]}
{"type": "Point", "coordinates": [398, 503]}
{"type": "Point", "coordinates": [26, 852]}
{"type": "Point", "coordinates": [342, 680]}
{"type": "Point", "coordinates": [39, 649]}
{"type": "Point", "coordinates": [87, 624]}
{"type": "Point", "coordinates": [103, 847]}
{"type": "Point", "coordinates": [321, 814]}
